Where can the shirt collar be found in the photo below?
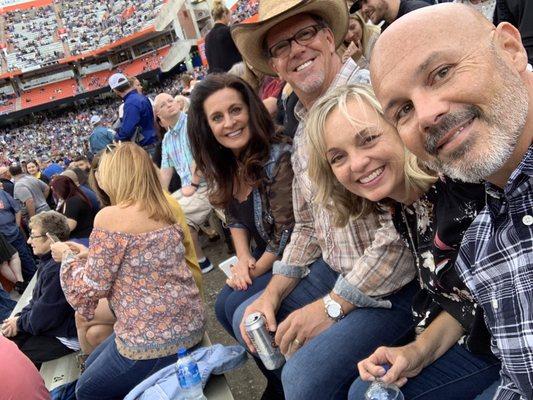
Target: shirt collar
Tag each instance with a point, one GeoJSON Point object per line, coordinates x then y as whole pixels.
{"type": "Point", "coordinates": [180, 125]}
{"type": "Point", "coordinates": [524, 168]}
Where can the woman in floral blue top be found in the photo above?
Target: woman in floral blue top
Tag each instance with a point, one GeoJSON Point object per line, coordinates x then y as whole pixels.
{"type": "Point", "coordinates": [353, 146]}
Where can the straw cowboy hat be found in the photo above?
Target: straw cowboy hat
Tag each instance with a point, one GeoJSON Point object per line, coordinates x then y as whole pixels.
{"type": "Point", "coordinates": [249, 38]}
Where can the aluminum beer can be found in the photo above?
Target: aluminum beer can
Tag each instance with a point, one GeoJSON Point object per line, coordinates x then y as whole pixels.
{"type": "Point", "coordinates": [263, 341]}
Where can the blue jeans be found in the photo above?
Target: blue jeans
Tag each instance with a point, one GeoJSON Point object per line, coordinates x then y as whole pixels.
{"type": "Point", "coordinates": [457, 375]}
{"type": "Point", "coordinates": [109, 375]}
{"type": "Point", "coordinates": [489, 393]}
{"type": "Point", "coordinates": [325, 366]}
{"type": "Point", "coordinates": [228, 300]}
{"type": "Point", "coordinates": [26, 258]}
{"type": "Point", "coordinates": [6, 304]}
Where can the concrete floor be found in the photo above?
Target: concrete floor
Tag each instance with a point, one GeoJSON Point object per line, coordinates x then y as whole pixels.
{"type": "Point", "coordinates": [246, 383]}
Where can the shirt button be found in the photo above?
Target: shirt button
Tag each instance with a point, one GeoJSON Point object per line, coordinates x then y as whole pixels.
{"type": "Point", "coordinates": [527, 220]}
{"type": "Point", "coordinates": [495, 304]}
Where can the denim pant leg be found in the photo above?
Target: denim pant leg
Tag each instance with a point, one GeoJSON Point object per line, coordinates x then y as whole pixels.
{"type": "Point", "coordinates": [489, 393]}
{"type": "Point", "coordinates": [6, 304]}
{"type": "Point", "coordinates": [111, 376]}
{"type": "Point", "coordinates": [325, 367]}
{"type": "Point", "coordinates": [228, 300]}
{"type": "Point", "coordinates": [457, 375]}
{"type": "Point", "coordinates": [26, 258]}
{"type": "Point", "coordinates": [316, 284]}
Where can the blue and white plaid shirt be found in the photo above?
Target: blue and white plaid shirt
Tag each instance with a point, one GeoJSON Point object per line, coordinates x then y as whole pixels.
{"type": "Point", "coordinates": [176, 151]}
{"type": "Point", "coordinates": [496, 263]}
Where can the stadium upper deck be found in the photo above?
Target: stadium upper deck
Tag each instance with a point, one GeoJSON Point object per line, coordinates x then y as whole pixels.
{"type": "Point", "coordinates": [42, 32]}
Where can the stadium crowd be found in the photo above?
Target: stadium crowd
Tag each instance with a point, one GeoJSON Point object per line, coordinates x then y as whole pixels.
{"type": "Point", "coordinates": [374, 166]}
{"type": "Point", "coordinates": [36, 37]}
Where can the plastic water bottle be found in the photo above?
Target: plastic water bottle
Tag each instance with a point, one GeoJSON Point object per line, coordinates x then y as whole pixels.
{"type": "Point", "coordinates": [189, 377]}
{"type": "Point", "coordinates": [380, 390]}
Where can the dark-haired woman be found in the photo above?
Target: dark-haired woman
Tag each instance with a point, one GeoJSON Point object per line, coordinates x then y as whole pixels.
{"type": "Point", "coordinates": [75, 205]}
{"type": "Point", "coordinates": [248, 171]}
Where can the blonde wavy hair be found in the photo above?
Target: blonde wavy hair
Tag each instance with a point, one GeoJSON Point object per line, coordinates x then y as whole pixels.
{"type": "Point", "coordinates": [330, 192]}
{"type": "Point", "coordinates": [219, 10]}
{"type": "Point", "coordinates": [128, 176]}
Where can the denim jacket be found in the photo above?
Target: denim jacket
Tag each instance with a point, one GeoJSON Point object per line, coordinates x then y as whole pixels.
{"type": "Point", "coordinates": [272, 200]}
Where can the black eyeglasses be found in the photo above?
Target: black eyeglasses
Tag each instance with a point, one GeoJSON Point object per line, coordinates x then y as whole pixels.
{"type": "Point", "coordinates": [33, 237]}
{"type": "Point", "coordinates": [302, 37]}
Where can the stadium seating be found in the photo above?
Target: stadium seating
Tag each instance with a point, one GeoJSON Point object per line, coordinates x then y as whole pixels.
{"type": "Point", "coordinates": [39, 36]}
{"type": "Point", "coordinates": [48, 93]}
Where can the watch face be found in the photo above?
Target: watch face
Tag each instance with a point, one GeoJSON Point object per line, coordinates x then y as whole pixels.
{"type": "Point", "coordinates": [334, 310]}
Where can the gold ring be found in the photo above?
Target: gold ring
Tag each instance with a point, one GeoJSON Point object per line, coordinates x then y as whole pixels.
{"type": "Point", "coordinates": [297, 342]}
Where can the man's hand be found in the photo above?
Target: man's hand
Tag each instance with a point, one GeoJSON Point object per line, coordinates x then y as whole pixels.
{"type": "Point", "coordinates": [303, 324]}
{"type": "Point", "coordinates": [188, 191]}
{"type": "Point", "coordinates": [406, 362]}
{"type": "Point", "coordinates": [9, 327]}
{"type": "Point", "coordinates": [266, 305]}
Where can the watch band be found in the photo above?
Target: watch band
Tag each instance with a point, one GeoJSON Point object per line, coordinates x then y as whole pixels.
{"type": "Point", "coordinates": [329, 302]}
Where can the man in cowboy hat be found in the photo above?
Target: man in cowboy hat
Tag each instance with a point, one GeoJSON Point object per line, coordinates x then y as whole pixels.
{"type": "Point", "coordinates": [334, 287]}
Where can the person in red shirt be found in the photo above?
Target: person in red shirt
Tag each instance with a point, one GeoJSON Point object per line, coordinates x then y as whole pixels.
{"type": "Point", "coordinates": [20, 378]}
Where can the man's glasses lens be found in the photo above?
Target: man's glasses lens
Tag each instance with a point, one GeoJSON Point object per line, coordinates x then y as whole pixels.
{"type": "Point", "coordinates": [302, 37]}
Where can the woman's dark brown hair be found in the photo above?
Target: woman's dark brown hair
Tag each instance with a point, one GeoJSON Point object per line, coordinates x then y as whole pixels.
{"type": "Point", "coordinates": [65, 188]}
{"type": "Point", "coordinates": [219, 164]}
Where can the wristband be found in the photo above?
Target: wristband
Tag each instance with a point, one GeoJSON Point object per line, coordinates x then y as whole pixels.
{"type": "Point", "coordinates": [195, 185]}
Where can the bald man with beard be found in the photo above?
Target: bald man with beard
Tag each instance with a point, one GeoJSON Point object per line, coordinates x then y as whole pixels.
{"type": "Point", "coordinates": [462, 101]}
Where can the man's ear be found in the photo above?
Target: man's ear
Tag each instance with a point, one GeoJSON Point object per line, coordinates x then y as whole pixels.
{"type": "Point", "coordinates": [507, 38]}
{"type": "Point", "coordinates": [330, 38]}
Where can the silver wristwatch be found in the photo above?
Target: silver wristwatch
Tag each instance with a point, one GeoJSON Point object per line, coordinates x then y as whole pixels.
{"type": "Point", "coordinates": [333, 309]}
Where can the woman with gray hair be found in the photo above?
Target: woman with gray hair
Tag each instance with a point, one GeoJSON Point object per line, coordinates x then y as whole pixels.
{"type": "Point", "coordinates": [45, 329]}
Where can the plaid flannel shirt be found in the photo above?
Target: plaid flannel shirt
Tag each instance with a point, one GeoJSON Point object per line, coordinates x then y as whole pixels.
{"type": "Point", "coordinates": [368, 254]}
{"type": "Point", "coordinates": [496, 263]}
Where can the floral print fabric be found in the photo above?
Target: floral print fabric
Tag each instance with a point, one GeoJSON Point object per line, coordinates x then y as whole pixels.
{"type": "Point", "coordinates": [149, 287]}
{"type": "Point", "coordinates": [433, 227]}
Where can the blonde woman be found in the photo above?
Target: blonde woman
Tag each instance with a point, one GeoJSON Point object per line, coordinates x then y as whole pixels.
{"type": "Point", "coordinates": [136, 261]}
{"type": "Point", "coordinates": [359, 164]}
{"type": "Point", "coordinates": [359, 40]}
{"type": "Point", "coordinates": [220, 50]}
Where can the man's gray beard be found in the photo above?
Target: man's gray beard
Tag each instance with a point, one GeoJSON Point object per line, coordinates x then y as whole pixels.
{"type": "Point", "coordinates": [508, 115]}
{"type": "Point", "coordinates": [315, 84]}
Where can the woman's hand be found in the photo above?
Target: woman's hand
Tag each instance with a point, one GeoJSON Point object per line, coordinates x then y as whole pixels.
{"type": "Point", "coordinates": [241, 279]}
{"type": "Point", "coordinates": [61, 249]}
{"type": "Point", "coordinates": [406, 362]}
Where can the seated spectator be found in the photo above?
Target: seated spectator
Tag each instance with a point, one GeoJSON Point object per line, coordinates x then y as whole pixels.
{"type": "Point", "coordinates": [80, 177]}
{"type": "Point", "coordinates": [10, 220]}
{"type": "Point", "coordinates": [491, 141]}
{"type": "Point", "coordinates": [359, 40]}
{"type": "Point", "coordinates": [75, 205]}
{"type": "Point", "coordinates": [10, 266]}
{"type": "Point", "coordinates": [5, 180]}
{"type": "Point", "coordinates": [45, 329]}
{"type": "Point", "coordinates": [136, 261]}
{"type": "Point", "coordinates": [101, 135]}
{"type": "Point", "coordinates": [30, 191]}
{"type": "Point", "coordinates": [34, 170]}
{"type": "Point", "coordinates": [183, 102]}
{"type": "Point", "coordinates": [359, 163]}
{"type": "Point", "coordinates": [20, 378]}
{"type": "Point", "coordinates": [248, 171]}
{"type": "Point", "coordinates": [81, 162]}
{"type": "Point", "coordinates": [32, 167]}
{"type": "Point", "coordinates": [176, 156]}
